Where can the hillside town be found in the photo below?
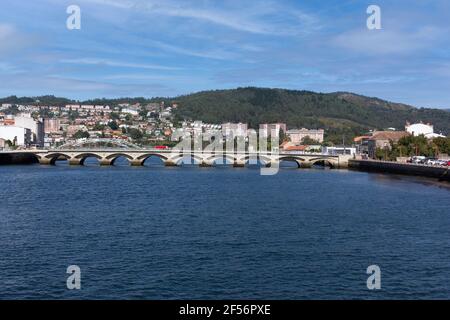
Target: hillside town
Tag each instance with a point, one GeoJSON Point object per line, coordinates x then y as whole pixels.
{"type": "Point", "coordinates": [45, 127]}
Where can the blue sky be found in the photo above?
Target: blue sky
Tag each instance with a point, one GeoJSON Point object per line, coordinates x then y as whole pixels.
{"type": "Point", "coordinates": [166, 48]}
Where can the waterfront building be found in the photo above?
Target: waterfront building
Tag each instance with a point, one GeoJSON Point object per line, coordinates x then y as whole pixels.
{"type": "Point", "coordinates": [18, 135]}
{"type": "Point", "coordinates": [25, 121]}
{"type": "Point", "coordinates": [339, 150]}
{"type": "Point", "coordinates": [235, 129]}
{"type": "Point", "coordinates": [362, 144]}
{"type": "Point", "coordinates": [267, 128]}
{"type": "Point", "coordinates": [297, 135]}
{"type": "Point", "coordinates": [383, 140]}
{"type": "Point", "coordinates": [418, 129]}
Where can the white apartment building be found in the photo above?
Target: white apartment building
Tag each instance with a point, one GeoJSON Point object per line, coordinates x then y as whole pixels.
{"type": "Point", "coordinates": [21, 136]}
{"type": "Point", "coordinates": [235, 129]}
{"type": "Point", "coordinates": [266, 129]}
{"type": "Point", "coordinates": [418, 129]}
{"type": "Point", "coordinates": [297, 135]}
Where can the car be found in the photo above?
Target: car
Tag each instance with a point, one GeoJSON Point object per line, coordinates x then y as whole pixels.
{"type": "Point", "coordinates": [418, 159]}
{"type": "Point", "coordinates": [442, 163]}
{"type": "Point", "coordinates": [431, 161]}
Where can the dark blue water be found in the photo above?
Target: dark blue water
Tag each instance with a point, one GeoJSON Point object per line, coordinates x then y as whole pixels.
{"type": "Point", "coordinates": [214, 233]}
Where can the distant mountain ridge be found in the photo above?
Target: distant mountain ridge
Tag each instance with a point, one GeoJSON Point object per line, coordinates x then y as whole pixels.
{"type": "Point", "coordinates": [339, 113]}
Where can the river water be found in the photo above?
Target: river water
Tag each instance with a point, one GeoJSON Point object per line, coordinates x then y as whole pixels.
{"type": "Point", "coordinates": [217, 233]}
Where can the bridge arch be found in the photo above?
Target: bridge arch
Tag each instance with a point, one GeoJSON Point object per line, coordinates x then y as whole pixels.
{"type": "Point", "coordinates": [230, 160]}
{"type": "Point", "coordinates": [143, 158]}
{"type": "Point", "coordinates": [83, 156]}
{"type": "Point", "coordinates": [262, 160]}
{"type": "Point", "coordinates": [178, 160]}
{"type": "Point", "coordinates": [53, 157]}
{"type": "Point", "coordinates": [113, 157]}
{"type": "Point", "coordinates": [148, 155]}
{"type": "Point", "coordinates": [297, 160]}
{"type": "Point", "coordinates": [324, 162]}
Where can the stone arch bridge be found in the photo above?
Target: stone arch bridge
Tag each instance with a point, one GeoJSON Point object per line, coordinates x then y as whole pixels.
{"type": "Point", "coordinates": [137, 157]}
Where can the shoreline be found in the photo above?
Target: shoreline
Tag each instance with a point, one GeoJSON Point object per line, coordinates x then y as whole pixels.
{"type": "Point", "coordinates": [442, 174]}
{"type": "Point", "coordinates": [17, 159]}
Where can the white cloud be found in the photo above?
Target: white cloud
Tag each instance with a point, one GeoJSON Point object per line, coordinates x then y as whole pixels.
{"type": "Point", "coordinates": [267, 17]}
{"type": "Point", "coordinates": [113, 63]}
{"type": "Point", "coordinates": [210, 54]}
{"type": "Point", "coordinates": [388, 41]}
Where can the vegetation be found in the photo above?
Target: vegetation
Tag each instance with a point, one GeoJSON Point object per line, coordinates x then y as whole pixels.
{"type": "Point", "coordinates": [42, 100]}
{"type": "Point", "coordinates": [81, 134]}
{"type": "Point", "coordinates": [307, 141]}
{"type": "Point", "coordinates": [342, 115]}
{"type": "Point", "coordinates": [135, 134]}
{"type": "Point", "coordinates": [113, 125]}
{"type": "Point", "coordinates": [412, 146]}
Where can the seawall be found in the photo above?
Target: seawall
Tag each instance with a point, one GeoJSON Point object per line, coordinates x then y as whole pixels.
{"type": "Point", "coordinates": [17, 158]}
{"type": "Point", "coordinates": [441, 173]}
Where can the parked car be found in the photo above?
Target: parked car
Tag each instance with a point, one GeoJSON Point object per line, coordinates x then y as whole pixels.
{"type": "Point", "coordinates": [443, 163]}
{"type": "Point", "coordinates": [431, 161]}
{"type": "Point", "coordinates": [418, 159]}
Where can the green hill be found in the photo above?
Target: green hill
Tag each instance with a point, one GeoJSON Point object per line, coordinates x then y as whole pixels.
{"type": "Point", "coordinates": [339, 113]}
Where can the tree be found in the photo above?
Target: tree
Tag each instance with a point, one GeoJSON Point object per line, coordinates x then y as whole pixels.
{"type": "Point", "coordinates": [73, 115]}
{"type": "Point", "coordinates": [113, 125]}
{"type": "Point", "coordinates": [442, 145]}
{"type": "Point", "coordinates": [143, 113]}
{"type": "Point", "coordinates": [114, 116]}
{"type": "Point", "coordinates": [99, 127]}
{"type": "Point", "coordinates": [81, 135]}
{"type": "Point", "coordinates": [307, 141]}
{"type": "Point", "coordinates": [135, 134]}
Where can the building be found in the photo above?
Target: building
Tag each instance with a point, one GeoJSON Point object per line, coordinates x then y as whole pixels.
{"type": "Point", "coordinates": [52, 125]}
{"type": "Point", "coordinates": [72, 107]}
{"type": "Point", "coordinates": [234, 129]}
{"type": "Point", "coordinates": [339, 150]}
{"type": "Point", "coordinates": [130, 111]}
{"type": "Point", "coordinates": [2, 144]}
{"type": "Point", "coordinates": [17, 135]}
{"type": "Point", "coordinates": [362, 144]}
{"type": "Point", "coordinates": [383, 140]}
{"type": "Point", "coordinates": [297, 135]}
{"type": "Point", "coordinates": [418, 129]}
{"type": "Point", "coordinates": [72, 129]}
{"type": "Point", "coordinates": [40, 135]}
{"type": "Point", "coordinates": [267, 128]}
{"type": "Point", "coordinates": [25, 121]}
{"type": "Point", "coordinates": [87, 107]}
